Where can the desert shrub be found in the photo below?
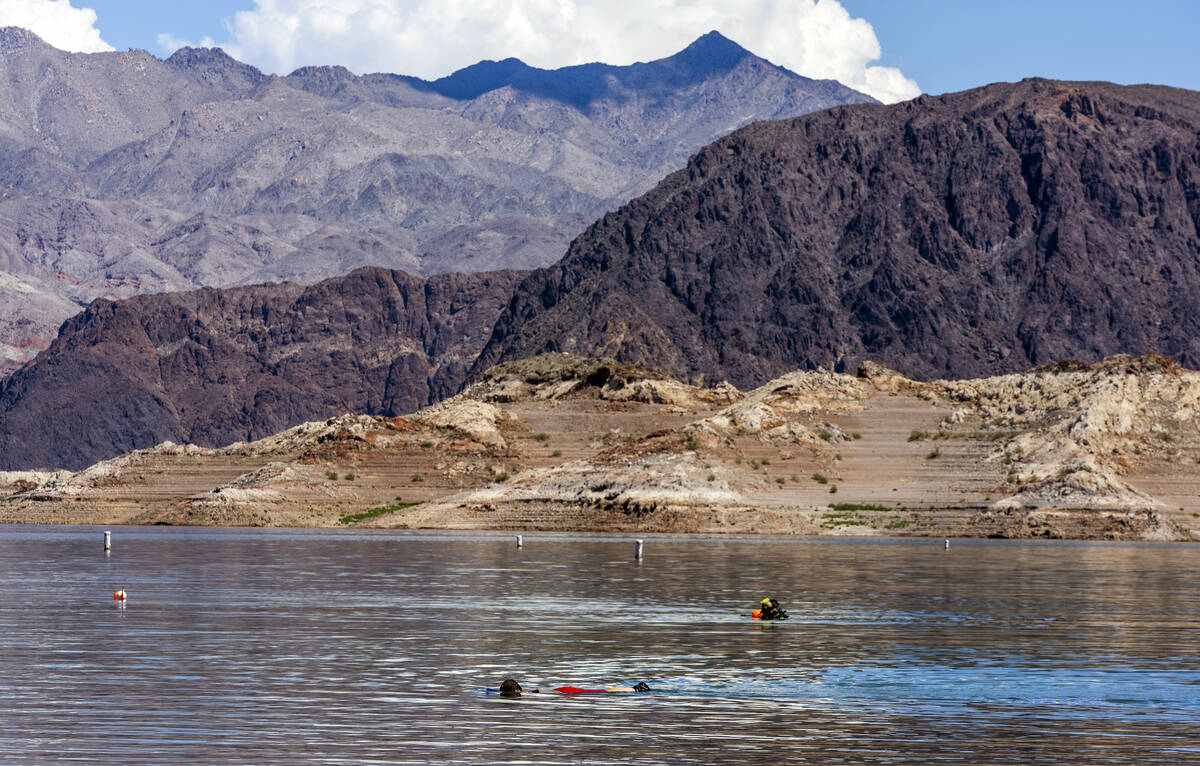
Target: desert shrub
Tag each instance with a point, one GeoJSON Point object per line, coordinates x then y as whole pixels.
{"type": "Point", "coordinates": [372, 513]}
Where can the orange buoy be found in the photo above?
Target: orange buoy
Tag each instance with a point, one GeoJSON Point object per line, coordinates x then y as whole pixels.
{"type": "Point", "coordinates": [756, 613]}
{"type": "Point", "coordinates": [118, 595]}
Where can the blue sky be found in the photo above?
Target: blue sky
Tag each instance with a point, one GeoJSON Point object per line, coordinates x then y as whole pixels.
{"type": "Point", "coordinates": [938, 45]}
{"type": "Point", "coordinates": [949, 46]}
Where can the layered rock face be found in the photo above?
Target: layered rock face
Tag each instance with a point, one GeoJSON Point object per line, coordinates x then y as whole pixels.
{"type": "Point", "coordinates": [970, 234]}
{"type": "Point", "coordinates": [125, 174]}
{"type": "Point", "coordinates": [215, 366]}
{"type": "Point", "coordinates": [1105, 451]}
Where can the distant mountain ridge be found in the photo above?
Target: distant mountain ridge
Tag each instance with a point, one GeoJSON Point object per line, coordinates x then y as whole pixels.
{"type": "Point", "coordinates": [121, 173]}
{"type": "Point", "coordinates": [582, 85]}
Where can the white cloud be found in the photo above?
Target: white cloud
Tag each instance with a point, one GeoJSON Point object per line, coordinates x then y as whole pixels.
{"type": "Point", "coordinates": [56, 22]}
{"type": "Point", "coordinates": [431, 38]}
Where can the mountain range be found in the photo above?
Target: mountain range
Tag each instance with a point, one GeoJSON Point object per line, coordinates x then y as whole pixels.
{"type": "Point", "coordinates": [964, 235]}
{"type": "Point", "coordinates": [122, 174]}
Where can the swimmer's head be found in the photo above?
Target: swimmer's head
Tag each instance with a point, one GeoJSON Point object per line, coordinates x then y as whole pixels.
{"type": "Point", "coordinates": [510, 688]}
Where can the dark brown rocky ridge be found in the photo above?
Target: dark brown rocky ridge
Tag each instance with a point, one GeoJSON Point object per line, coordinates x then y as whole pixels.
{"type": "Point", "coordinates": [216, 366]}
{"type": "Point", "coordinates": [975, 233]}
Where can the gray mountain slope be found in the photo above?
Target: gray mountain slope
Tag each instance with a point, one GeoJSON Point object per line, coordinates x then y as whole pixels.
{"type": "Point", "coordinates": [121, 173]}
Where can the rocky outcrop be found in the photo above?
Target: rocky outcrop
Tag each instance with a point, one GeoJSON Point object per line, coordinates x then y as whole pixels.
{"type": "Point", "coordinates": [1073, 432]}
{"type": "Point", "coordinates": [560, 376]}
{"type": "Point", "coordinates": [970, 234]}
{"type": "Point", "coordinates": [217, 366]}
{"type": "Point", "coordinates": [1062, 443]}
{"type": "Point", "coordinates": [782, 410]}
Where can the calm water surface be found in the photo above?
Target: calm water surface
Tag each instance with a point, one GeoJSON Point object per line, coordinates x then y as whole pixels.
{"type": "Point", "coordinates": [340, 647]}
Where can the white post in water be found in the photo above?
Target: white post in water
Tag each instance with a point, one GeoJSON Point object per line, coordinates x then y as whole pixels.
{"type": "Point", "coordinates": [947, 545]}
{"type": "Point", "coordinates": [520, 541]}
{"type": "Point", "coordinates": [637, 551]}
{"type": "Point", "coordinates": [108, 541]}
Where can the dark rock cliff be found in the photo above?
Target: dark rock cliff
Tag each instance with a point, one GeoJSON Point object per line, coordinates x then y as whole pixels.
{"type": "Point", "coordinates": [974, 233]}
{"type": "Point", "coordinates": [216, 366]}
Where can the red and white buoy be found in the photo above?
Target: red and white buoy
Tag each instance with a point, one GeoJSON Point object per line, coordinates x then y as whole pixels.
{"type": "Point", "coordinates": [119, 596]}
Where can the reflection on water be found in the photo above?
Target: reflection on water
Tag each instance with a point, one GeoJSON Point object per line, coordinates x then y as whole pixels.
{"type": "Point", "coordinates": [286, 647]}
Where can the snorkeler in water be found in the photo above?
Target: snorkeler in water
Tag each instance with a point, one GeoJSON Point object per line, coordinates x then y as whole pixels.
{"type": "Point", "coordinates": [769, 609]}
{"type": "Point", "coordinates": [510, 688]}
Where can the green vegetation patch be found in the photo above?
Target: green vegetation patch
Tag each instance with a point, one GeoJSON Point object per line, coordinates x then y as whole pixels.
{"type": "Point", "coordinates": [354, 518]}
{"type": "Point", "coordinates": [857, 507]}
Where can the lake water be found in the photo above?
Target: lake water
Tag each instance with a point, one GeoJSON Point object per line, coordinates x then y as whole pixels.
{"type": "Point", "coordinates": [340, 647]}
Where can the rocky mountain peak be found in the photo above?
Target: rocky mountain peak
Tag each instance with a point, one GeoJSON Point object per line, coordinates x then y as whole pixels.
{"type": "Point", "coordinates": [215, 68]}
{"type": "Point", "coordinates": [485, 76]}
{"type": "Point", "coordinates": [711, 52]}
{"type": "Point", "coordinates": [13, 39]}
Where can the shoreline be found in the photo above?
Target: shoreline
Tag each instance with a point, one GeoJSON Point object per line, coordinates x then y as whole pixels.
{"type": "Point", "coordinates": [558, 443]}
{"type": "Point", "coordinates": [1051, 525]}
{"type": "Point", "coordinates": [615, 537]}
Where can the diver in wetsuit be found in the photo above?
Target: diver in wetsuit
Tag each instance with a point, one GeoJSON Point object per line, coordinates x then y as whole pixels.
{"type": "Point", "coordinates": [768, 609]}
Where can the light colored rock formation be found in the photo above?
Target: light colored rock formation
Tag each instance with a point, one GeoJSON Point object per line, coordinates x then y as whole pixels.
{"type": "Point", "coordinates": [557, 376]}
{"type": "Point", "coordinates": [559, 442]}
{"type": "Point", "coordinates": [783, 410]}
{"type": "Point", "coordinates": [1076, 430]}
{"type": "Point", "coordinates": [481, 420]}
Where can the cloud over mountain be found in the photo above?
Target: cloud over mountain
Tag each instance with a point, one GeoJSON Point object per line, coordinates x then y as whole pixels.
{"type": "Point", "coordinates": [430, 38]}
{"type": "Point", "coordinates": [57, 22]}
